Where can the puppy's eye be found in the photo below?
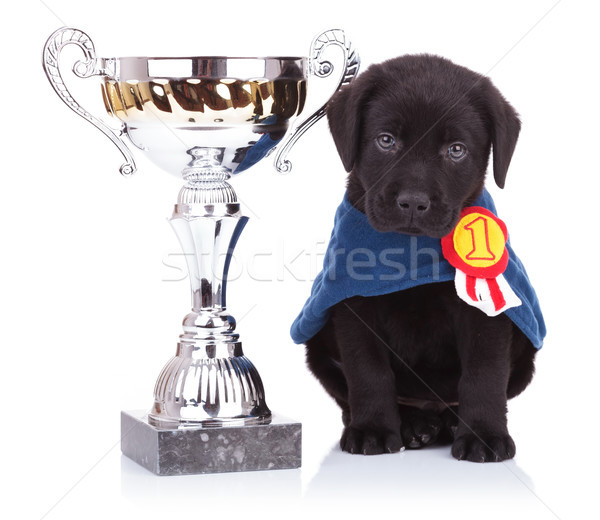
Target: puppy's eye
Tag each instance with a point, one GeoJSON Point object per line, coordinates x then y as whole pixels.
{"type": "Point", "coordinates": [385, 141]}
{"type": "Point", "coordinates": [457, 151]}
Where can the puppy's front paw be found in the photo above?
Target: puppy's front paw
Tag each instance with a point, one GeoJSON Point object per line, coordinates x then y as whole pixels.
{"type": "Point", "coordinates": [484, 448]}
{"type": "Point", "coordinates": [420, 428]}
{"type": "Point", "coordinates": [370, 442]}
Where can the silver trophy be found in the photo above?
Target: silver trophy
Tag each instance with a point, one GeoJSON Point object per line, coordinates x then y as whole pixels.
{"type": "Point", "coordinates": [204, 119]}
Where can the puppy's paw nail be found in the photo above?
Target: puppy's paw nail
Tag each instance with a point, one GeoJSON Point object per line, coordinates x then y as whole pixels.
{"type": "Point", "coordinates": [414, 443]}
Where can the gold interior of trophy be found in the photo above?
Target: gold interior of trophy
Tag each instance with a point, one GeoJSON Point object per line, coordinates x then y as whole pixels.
{"type": "Point", "coordinates": [205, 101]}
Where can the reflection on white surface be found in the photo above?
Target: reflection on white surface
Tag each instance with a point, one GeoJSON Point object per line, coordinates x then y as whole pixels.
{"type": "Point", "coordinates": [414, 472]}
{"type": "Point", "coordinates": [428, 481]}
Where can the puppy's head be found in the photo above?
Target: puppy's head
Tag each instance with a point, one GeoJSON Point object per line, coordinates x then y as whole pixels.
{"type": "Point", "coordinates": [415, 133]}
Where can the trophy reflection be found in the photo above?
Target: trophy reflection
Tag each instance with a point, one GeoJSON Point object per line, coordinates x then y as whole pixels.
{"type": "Point", "coordinates": [204, 120]}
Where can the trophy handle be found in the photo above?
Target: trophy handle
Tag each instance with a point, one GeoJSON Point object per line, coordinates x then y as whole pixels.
{"type": "Point", "coordinates": [320, 68]}
{"type": "Point", "coordinates": [91, 66]}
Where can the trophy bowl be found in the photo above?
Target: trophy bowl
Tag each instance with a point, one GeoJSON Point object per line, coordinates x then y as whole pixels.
{"type": "Point", "coordinates": [174, 108]}
{"type": "Point", "coordinates": [204, 120]}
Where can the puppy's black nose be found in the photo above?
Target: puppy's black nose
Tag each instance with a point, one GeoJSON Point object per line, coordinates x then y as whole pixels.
{"type": "Point", "coordinates": [413, 202]}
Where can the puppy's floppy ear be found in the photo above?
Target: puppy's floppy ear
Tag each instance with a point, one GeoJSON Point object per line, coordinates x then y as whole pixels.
{"type": "Point", "coordinates": [344, 113]}
{"type": "Point", "coordinates": [505, 127]}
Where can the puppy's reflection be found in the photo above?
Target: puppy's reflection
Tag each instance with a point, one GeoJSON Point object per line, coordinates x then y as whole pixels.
{"type": "Point", "coordinates": [414, 475]}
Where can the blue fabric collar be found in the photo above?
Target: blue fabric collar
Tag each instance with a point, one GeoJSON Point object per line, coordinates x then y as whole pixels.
{"type": "Point", "coordinates": [361, 261]}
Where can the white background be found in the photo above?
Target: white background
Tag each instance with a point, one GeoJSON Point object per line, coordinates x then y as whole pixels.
{"type": "Point", "coordinates": [90, 311]}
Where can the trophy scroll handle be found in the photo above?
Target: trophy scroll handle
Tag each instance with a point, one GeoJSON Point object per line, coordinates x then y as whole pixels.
{"type": "Point", "coordinates": [91, 66]}
{"type": "Point", "coordinates": [320, 68]}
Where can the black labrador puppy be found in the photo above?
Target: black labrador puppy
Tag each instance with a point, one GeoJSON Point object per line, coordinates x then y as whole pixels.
{"type": "Point", "coordinates": [419, 366]}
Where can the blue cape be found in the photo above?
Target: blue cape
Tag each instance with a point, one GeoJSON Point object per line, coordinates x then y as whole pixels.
{"type": "Point", "coordinates": [361, 261]}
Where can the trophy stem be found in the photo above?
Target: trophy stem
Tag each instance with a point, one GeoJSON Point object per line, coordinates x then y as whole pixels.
{"type": "Point", "coordinates": [209, 382]}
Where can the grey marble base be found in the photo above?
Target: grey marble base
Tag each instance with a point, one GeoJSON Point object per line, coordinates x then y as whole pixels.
{"type": "Point", "coordinates": [190, 451]}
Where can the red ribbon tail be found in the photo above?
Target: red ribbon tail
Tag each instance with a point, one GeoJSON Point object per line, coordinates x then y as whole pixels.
{"type": "Point", "coordinates": [471, 280]}
{"type": "Point", "coordinates": [496, 293]}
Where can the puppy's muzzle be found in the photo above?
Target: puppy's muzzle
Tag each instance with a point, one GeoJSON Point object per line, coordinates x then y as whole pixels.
{"type": "Point", "coordinates": [413, 204]}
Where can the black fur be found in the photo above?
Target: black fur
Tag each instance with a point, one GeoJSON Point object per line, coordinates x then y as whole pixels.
{"type": "Point", "coordinates": [424, 347]}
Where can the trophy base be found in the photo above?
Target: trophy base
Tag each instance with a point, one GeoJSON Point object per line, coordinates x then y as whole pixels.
{"type": "Point", "coordinates": [189, 450]}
